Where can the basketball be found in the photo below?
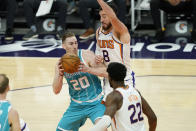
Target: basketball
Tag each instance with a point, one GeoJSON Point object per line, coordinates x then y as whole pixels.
{"type": "Point", "coordinates": [70, 63]}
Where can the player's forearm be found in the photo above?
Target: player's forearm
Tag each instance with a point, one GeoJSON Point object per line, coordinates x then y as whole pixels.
{"type": "Point", "coordinates": [98, 72]}
{"type": "Point", "coordinates": [118, 26]}
{"type": "Point", "coordinates": [147, 110]}
{"type": "Point", "coordinates": [98, 128]}
{"type": "Point", "coordinates": [13, 118]}
{"type": "Point", "coordinates": [57, 83]}
{"type": "Point", "coordinates": [102, 124]}
{"type": "Point", "coordinates": [152, 123]}
{"type": "Point", "coordinates": [107, 9]}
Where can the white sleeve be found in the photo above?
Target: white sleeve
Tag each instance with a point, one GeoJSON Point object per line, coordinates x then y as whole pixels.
{"type": "Point", "coordinates": [102, 124]}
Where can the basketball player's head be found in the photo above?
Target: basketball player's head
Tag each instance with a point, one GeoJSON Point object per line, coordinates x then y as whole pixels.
{"type": "Point", "coordinates": [116, 72]}
{"type": "Point", "coordinates": [4, 84]}
{"type": "Point", "coordinates": [70, 43]}
{"type": "Point", "coordinates": [105, 21]}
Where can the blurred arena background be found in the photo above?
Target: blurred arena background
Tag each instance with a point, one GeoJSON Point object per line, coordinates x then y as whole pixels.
{"type": "Point", "coordinates": [165, 70]}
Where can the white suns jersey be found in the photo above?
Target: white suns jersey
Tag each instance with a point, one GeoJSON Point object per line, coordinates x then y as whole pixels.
{"type": "Point", "coordinates": [130, 116]}
{"type": "Point", "coordinates": [113, 50]}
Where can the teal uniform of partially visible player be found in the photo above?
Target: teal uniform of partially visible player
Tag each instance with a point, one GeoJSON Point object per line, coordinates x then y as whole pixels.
{"type": "Point", "coordinates": [9, 118]}
{"type": "Point", "coordinates": [86, 94]}
{"type": "Point", "coordinates": [4, 110]}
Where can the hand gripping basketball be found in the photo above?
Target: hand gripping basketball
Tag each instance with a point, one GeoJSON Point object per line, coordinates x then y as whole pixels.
{"type": "Point", "coordinates": [70, 63]}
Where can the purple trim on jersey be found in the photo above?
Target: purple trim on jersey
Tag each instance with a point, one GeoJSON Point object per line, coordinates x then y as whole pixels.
{"type": "Point", "coordinates": [122, 52]}
{"type": "Point", "coordinates": [23, 127]}
{"type": "Point", "coordinates": [116, 40]}
{"type": "Point", "coordinates": [133, 78]}
{"type": "Point", "coordinates": [105, 33]}
{"type": "Point", "coordinates": [121, 48]}
{"type": "Point", "coordinates": [99, 30]}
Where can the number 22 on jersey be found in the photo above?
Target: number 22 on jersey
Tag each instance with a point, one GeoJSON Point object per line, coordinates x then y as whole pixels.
{"type": "Point", "coordinates": [135, 116]}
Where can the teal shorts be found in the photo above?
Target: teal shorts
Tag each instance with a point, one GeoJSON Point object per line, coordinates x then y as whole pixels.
{"type": "Point", "coordinates": [76, 115]}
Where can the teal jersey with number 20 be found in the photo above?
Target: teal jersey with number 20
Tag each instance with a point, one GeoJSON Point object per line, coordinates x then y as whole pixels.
{"type": "Point", "coordinates": [83, 86]}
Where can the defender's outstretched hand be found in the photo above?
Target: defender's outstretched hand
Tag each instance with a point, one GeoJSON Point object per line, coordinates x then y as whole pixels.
{"type": "Point", "coordinates": [98, 59]}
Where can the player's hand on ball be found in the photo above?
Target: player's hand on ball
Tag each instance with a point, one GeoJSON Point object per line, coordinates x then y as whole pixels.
{"type": "Point", "coordinates": [59, 68]}
{"type": "Point", "coordinates": [70, 63]}
{"type": "Point", "coordinates": [98, 59]}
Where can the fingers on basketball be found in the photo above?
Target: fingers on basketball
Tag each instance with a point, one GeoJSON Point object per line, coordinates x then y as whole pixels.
{"type": "Point", "coordinates": [70, 63]}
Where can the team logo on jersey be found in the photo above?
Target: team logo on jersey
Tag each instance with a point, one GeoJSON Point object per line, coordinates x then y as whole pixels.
{"type": "Point", "coordinates": [106, 44]}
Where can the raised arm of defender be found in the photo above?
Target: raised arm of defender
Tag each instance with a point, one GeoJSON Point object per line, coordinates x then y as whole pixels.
{"type": "Point", "coordinates": [119, 29]}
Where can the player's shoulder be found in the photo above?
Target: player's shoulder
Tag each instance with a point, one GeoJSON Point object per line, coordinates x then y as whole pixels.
{"type": "Point", "coordinates": [13, 112]}
{"type": "Point", "coordinates": [114, 96]}
{"type": "Point", "coordinates": [13, 115]}
{"type": "Point", "coordinates": [98, 30]}
{"type": "Point", "coordinates": [88, 52]}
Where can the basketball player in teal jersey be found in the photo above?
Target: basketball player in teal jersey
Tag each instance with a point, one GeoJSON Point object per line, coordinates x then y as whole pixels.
{"type": "Point", "coordinates": [84, 88]}
{"type": "Point", "coordinates": [9, 118]}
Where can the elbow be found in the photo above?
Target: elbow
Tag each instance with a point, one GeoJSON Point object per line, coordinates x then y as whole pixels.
{"type": "Point", "coordinates": [56, 91]}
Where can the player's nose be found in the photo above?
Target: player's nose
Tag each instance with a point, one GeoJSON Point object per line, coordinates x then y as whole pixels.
{"type": "Point", "coordinates": [75, 46]}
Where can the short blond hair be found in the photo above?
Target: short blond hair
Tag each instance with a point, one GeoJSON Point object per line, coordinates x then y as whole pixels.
{"type": "Point", "coordinates": [67, 35]}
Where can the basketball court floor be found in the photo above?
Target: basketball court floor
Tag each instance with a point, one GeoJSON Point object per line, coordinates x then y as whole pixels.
{"type": "Point", "coordinates": [165, 75]}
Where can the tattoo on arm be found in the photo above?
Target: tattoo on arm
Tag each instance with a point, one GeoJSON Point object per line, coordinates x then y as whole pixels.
{"type": "Point", "coordinates": [113, 103]}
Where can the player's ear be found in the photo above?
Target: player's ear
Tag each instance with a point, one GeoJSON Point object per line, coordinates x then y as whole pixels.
{"type": "Point", "coordinates": [64, 46]}
{"type": "Point", "coordinates": [8, 88]}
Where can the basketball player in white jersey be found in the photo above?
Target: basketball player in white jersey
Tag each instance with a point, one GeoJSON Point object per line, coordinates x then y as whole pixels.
{"type": "Point", "coordinates": [125, 104]}
{"type": "Point", "coordinates": [113, 42]}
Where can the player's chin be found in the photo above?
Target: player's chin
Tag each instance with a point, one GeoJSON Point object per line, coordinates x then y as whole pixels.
{"type": "Point", "coordinates": [105, 27]}
{"type": "Point", "coordinates": [75, 51]}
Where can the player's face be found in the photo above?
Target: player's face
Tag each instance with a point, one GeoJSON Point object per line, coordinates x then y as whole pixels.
{"type": "Point", "coordinates": [105, 21]}
{"type": "Point", "coordinates": [71, 45]}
